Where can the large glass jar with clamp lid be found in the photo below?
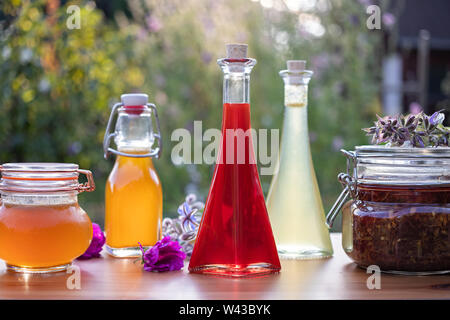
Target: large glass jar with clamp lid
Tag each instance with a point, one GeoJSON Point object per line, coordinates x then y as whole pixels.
{"type": "Point", "coordinates": [42, 227]}
{"type": "Point", "coordinates": [398, 217]}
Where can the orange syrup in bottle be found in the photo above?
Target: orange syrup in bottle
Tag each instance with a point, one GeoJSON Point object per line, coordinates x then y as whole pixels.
{"type": "Point", "coordinates": [133, 203]}
{"type": "Point", "coordinates": [133, 195]}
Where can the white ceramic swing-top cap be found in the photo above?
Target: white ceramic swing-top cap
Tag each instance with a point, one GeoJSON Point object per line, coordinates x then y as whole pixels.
{"type": "Point", "coordinates": [134, 99]}
{"type": "Point", "coordinates": [236, 51]}
{"type": "Point", "coordinates": [296, 65]}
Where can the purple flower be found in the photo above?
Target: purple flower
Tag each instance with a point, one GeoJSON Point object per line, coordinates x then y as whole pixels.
{"type": "Point", "coordinates": [184, 228]}
{"type": "Point", "coordinates": [354, 20]}
{"type": "Point", "coordinates": [187, 215]}
{"type": "Point", "coordinates": [321, 61]}
{"type": "Point", "coordinates": [165, 255]}
{"type": "Point", "coordinates": [437, 118]}
{"type": "Point", "coordinates": [141, 34]}
{"type": "Point", "coordinates": [337, 143]}
{"type": "Point", "coordinates": [206, 57]}
{"type": "Point", "coordinates": [388, 19]}
{"type": "Point", "coordinates": [97, 242]}
{"type": "Point", "coordinates": [153, 24]}
{"type": "Point", "coordinates": [417, 130]}
{"type": "Point", "coordinates": [75, 148]}
{"type": "Point", "coordinates": [415, 108]}
{"type": "Point", "coordinates": [418, 141]}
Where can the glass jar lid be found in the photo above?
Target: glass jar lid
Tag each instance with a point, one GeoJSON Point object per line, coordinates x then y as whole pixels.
{"type": "Point", "coordinates": [44, 177]}
{"type": "Point", "coordinates": [391, 166]}
{"type": "Point", "coordinates": [380, 165]}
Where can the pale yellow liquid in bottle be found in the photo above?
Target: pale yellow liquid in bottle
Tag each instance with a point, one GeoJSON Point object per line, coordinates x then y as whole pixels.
{"type": "Point", "coordinates": [294, 203]}
{"type": "Point", "coordinates": [133, 206]}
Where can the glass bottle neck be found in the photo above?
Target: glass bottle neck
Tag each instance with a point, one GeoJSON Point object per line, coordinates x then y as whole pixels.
{"type": "Point", "coordinates": [236, 88]}
{"type": "Point", "coordinates": [295, 95]}
{"type": "Point", "coordinates": [296, 87]}
{"type": "Point", "coordinates": [236, 79]}
{"type": "Point", "coordinates": [134, 131]}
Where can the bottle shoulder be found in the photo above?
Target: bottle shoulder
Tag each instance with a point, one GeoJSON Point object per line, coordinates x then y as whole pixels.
{"type": "Point", "coordinates": [133, 169]}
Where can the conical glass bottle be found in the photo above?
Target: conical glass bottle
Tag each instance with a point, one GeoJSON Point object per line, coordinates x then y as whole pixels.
{"type": "Point", "coordinates": [133, 195]}
{"type": "Point", "coordinates": [293, 202]}
{"type": "Point", "coordinates": [235, 237]}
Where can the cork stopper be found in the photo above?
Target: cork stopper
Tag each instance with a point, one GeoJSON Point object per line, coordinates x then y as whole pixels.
{"type": "Point", "coordinates": [236, 51]}
{"type": "Point", "coordinates": [296, 65]}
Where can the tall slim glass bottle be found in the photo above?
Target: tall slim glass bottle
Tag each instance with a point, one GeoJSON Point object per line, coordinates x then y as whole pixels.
{"type": "Point", "coordinates": [294, 203]}
{"type": "Point", "coordinates": [235, 237]}
{"type": "Point", "coordinates": [133, 195]}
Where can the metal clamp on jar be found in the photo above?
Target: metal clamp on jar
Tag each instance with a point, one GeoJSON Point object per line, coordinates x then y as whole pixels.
{"type": "Point", "coordinates": [398, 213]}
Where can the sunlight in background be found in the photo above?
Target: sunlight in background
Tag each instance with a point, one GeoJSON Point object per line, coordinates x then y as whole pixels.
{"type": "Point", "coordinates": [300, 5]}
{"type": "Point", "coordinates": [183, 38]}
{"type": "Point", "coordinates": [308, 23]}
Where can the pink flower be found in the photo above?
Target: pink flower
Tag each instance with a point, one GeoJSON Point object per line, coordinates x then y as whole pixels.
{"type": "Point", "coordinates": [337, 143]}
{"type": "Point", "coordinates": [153, 24]}
{"type": "Point", "coordinates": [388, 19]}
{"type": "Point", "coordinates": [415, 108]}
{"type": "Point", "coordinates": [165, 255]}
{"type": "Point", "coordinates": [97, 242]}
{"type": "Point", "coordinates": [321, 61]}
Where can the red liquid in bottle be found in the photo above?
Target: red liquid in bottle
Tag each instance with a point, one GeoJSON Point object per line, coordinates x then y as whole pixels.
{"type": "Point", "coordinates": [235, 237]}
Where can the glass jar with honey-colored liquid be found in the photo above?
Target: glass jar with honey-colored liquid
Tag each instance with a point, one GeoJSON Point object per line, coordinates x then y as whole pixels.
{"type": "Point", "coordinates": [133, 196]}
{"type": "Point", "coordinates": [42, 227]}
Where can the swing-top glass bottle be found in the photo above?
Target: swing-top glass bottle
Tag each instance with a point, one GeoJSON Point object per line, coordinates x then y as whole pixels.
{"type": "Point", "coordinates": [133, 195]}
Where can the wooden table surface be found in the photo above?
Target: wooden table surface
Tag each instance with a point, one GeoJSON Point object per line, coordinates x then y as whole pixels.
{"type": "Point", "coordinates": [333, 278]}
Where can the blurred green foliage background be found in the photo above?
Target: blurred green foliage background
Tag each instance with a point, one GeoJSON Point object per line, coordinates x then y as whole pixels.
{"type": "Point", "coordinates": [57, 85]}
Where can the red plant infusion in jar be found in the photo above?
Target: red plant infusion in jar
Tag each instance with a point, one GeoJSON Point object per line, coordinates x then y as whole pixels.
{"type": "Point", "coordinates": [399, 214]}
{"type": "Point", "coordinates": [401, 228]}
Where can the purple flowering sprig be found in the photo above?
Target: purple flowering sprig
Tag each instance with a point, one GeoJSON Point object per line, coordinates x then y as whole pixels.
{"type": "Point", "coordinates": [184, 228]}
{"type": "Point", "coordinates": [417, 130]}
{"type": "Point", "coordinates": [96, 245]}
{"type": "Point", "coordinates": [165, 255]}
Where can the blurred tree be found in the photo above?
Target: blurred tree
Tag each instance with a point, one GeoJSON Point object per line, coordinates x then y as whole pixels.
{"type": "Point", "coordinates": [183, 39]}
{"type": "Point", "coordinates": [56, 83]}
